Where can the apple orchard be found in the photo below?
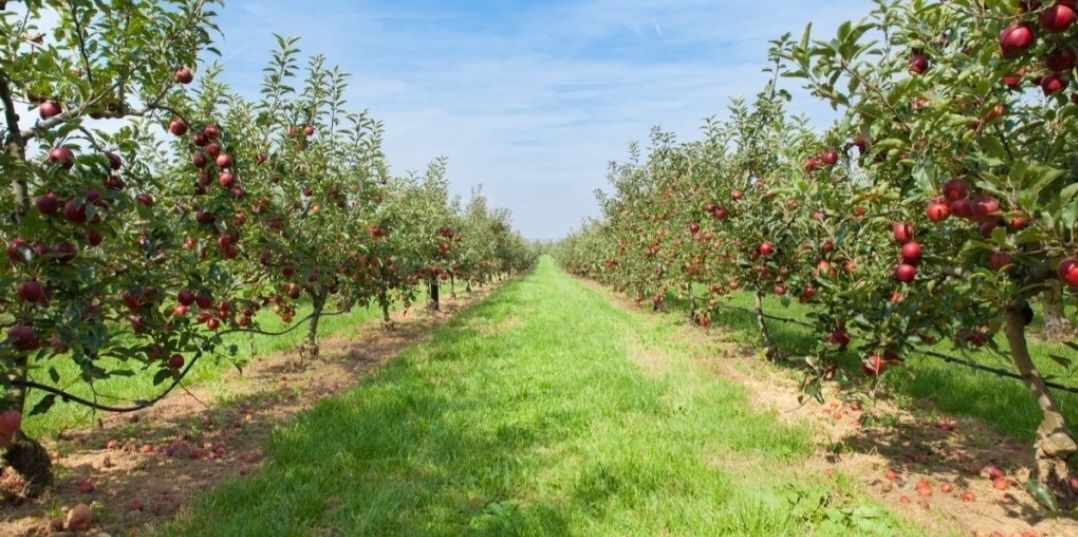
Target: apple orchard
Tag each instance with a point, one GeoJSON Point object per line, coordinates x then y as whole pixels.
{"type": "Point", "coordinates": [940, 206]}
{"type": "Point", "coordinates": [150, 209]}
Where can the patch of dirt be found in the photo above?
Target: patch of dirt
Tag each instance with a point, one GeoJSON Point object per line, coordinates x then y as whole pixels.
{"type": "Point", "coordinates": [136, 471]}
{"type": "Point", "coordinates": [946, 474]}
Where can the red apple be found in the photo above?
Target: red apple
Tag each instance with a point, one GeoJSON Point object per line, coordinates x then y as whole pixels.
{"type": "Point", "coordinates": [75, 212]}
{"type": "Point", "coordinates": [1053, 83]}
{"type": "Point", "coordinates": [840, 338]}
{"type": "Point", "coordinates": [227, 179]}
{"type": "Point", "coordinates": [737, 195]}
{"type": "Point", "coordinates": [911, 252]}
{"type": "Point", "coordinates": [198, 160]}
{"type": "Point", "coordinates": [65, 252]}
{"type": "Point", "coordinates": [47, 203]}
{"type": "Point", "coordinates": [765, 249]}
{"type": "Point", "coordinates": [918, 63]}
{"type": "Point", "coordinates": [1061, 59]}
{"type": "Point", "coordinates": [212, 131]}
{"type": "Point", "coordinates": [175, 361]}
{"type": "Point", "coordinates": [829, 157]}
{"type": "Point", "coordinates": [956, 189]}
{"type": "Point", "coordinates": [62, 156]}
{"type": "Point", "coordinates": [1016, 39]}
{"type": "Point", "coordinates": [213, 149]}
{"type": "Point", "coordinates": [184, 75]}
{"type": "Point", "coordinates": [203, 301]}
{"type": "Point", "coordinates": [224, 160]}
{"type": "Point", "coordinates": [1068, 271]}
{"type": "Point", "coordinates": [22, 337]}
{"type": "Point", "coordinates": [937, 211]}
{"type": "Point", "coordinates": [905, 272]}
{"type": "Point", "coordinates": [903, 232]}
{"type": "Point", "coordinates": [48, 109]}
{"type": "Point", "coordinates": [31, 291]}
{"type": "Point", "coordinates": [177, 127]}
{"type": "Point", "coordinates": [1058, 17]}
{"type": "Point", "coordinates": [145, 199]}
{"type": "Point", "coordinates": [1000, 260]}
{"type": "Point", "coordinates": [874, 365]}
{"type": "Point", "coordinates": [10, 421]}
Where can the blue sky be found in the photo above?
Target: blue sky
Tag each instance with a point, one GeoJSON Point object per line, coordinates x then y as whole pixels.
{"type": "Point", "coordinates": [531, 99]}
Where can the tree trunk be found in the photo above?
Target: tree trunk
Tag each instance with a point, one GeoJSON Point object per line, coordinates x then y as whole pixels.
{"type": "Point", "coordinates": [309, 350]}
{"type": "Point", "coordinates": [433, 302]}
{"type": "Point", "coordinates": [1054, 442]}
{"type": "Point", "coordinates": [26, 456]}
{"type": "Point", "coordinates": [1056, 326]}
{"type": "Point", "coordinates": [452, 286]}
{"type": "Point", "coordinates": [761, 323]}
{"type": "Point", "coordinates": [692, 302]}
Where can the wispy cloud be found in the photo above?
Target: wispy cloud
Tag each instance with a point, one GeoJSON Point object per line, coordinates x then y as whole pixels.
{"type": "Point", "coordinates": [532, 99]}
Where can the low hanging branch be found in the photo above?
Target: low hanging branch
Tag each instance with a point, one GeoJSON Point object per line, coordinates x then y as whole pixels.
{"type": "Point", "coordinates": [932, 354]}
{"type": "Point", "coordinates": [137, 405]}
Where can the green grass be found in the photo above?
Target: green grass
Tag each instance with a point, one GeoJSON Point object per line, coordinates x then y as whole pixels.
{"type": "Point", "coordinates": [1003, 403]}
{"type": "Point", "coordinates": [528, 415]}
{"type": "Point", "coordinates": [120, 390]}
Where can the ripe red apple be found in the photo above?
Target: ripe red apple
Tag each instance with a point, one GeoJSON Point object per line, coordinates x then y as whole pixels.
{"type": "Point", "coordinates": [31, 291]}
{"type": "Point", "coordinates": [874, 365]}
{"type": "Point", "coordinates": [224, 160]}
{"type": "Point", "coordinates": [308, 130]}
{"type": "Point", "coordinates": [145, 199]}
{"type": "Point", "coordinates": [198, 160]}
{"type": "Point", "coordinates": [1000, 260]}
{"type": "Point", "coordinates": [75, 212]}
{"type": "Point", "coordinates": [62, 156]}
{"type": "Point", "coordinates": [22, 337]}
{"type": "Point", "coordinates": [177, 127]}
{"type": "Point", "coordinates": [956, 189]}
{"type": "Point", "coordinates": [47, 203]}
{"type": "Point", "coordinates": [1012, 80]}
{"type": "Point", "coordinates": [213, 323]}
{"type": "Point", "coordinates": [200, 139]}
{"type": "Point", "coordinates": [227, 179]}
{"type": "Point", "coordinates": [180, 310]}
{"type": "Point", "coordinates": [213, 149]}
{"type": "Point", "coordinates": [911, 252]}
{"type": "Point", "coordinates": [203, 301]}
{"type": "Point", "coordinates": [175, 361]}
{"type": "Point", "coordinates": [985, 206]}
{"type": "Point", "coordinates": [1016, 39]}
{"type": "Point", "coordinates": [840, 338]}
{"type": "Point", "coordinates": [937, 211]}
{"type": "Point", "coordinates": [779, 290]}
{"type": "Point", "coordinates": [212, 131]}
{"type": "Point", "coordinates": [905, 272]}
{"type": "Point", "coordinates": [829, 157]}
{"type": "Point", "coordinates": [115, 162]}
{"type": "Point", "coordinates": [1053, 83]}
{"type": "Point", "coordinates": [807, 294]}
{"type": "Point", "coordinates": [1061, 59]}
{"type": "Point", "coordinates": [1068, 271]}
{"type": "Point", "coordinates": [810, 164]}
{"type": "Point", "coordinates": [719, 213]}
{"type": "Point", "coordinates": [765, 249]}
{"type": "Point", "coordinates": [184, 75]}
{"type": "Point", "coordinates": [918, 63]}
{"type": "Point", "coordinates": [1058, 17]}
{"type": "Point", "coordinates": [737, 195]}
{"type": "Point", "coordinates": [65, 251]}
{"type": "Point", "coordinates": [49, 109]}
{"type": "Point", "coordinates": [10, 421]}
{"type": "Point", "coordinates": [93, 237]}
{"type": "Point", "coordinates": [903, 232]}
{"type": "Point", "coordinates": [694, 228]}
{"type": "Point", "coordinates": [185, 297]}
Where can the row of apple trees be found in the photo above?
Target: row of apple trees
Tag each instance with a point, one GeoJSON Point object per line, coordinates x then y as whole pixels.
{"type": "Point", "coordinates": [151, 209]}
{"type": "Point", "coordinates": [939, 206]}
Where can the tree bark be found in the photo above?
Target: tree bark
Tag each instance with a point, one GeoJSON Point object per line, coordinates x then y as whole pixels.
{"type": "Point", "coordinates": [692, 302]}
{"type": "Point", "coordinates": [1054, 442]}
{"type": "Point", "coordinates": [761, 323]}
{"type": "Point", "coordinates": [1056, 326]}
{"type": "Point", "coordinates": [309, 350]}
{"type": "Point", "coordinates": [433, 302]}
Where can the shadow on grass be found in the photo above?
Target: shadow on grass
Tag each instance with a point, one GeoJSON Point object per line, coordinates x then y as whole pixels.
{"type": "Point", "coordinates": [1004, 403]}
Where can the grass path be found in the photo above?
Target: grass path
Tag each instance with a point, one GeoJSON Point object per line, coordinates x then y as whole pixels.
{"type": "Point", "coordinates": [537, 414]}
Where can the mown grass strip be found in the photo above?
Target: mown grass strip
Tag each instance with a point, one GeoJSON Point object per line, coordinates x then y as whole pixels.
{"type": "Point", "coordinates": [528, 416]}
